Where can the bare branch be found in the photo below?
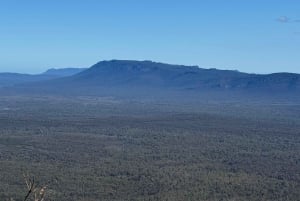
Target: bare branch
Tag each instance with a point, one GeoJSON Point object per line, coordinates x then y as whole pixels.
{"type": "Point", "coordinates": [30, 186]}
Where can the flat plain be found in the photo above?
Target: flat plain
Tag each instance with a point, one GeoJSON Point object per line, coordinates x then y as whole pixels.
{"type": "Point", "coordinates": [89, 148]}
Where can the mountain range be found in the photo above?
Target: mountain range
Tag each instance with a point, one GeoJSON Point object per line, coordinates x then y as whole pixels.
{"type": "Point", "coordinates": [11, 79]}
{"type": "Point", "coordinates": [135, 78]}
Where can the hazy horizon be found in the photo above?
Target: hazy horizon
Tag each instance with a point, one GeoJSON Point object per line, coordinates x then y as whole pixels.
{"type": "Point", "coordinates": [130, 116]}
{"type": "Point", "coordinates": [25, 71]}
{"type": "Point", "coordinates": [234, 35]}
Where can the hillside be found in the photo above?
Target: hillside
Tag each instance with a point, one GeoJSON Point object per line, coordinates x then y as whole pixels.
{"type": "Point", "coordinates": [147, 79]}
{"type": "Point", "coordinates": [63, 72]}
{"type": "Point", "coordinates": [11, 79]}
{"type": "Point", "coordinates": [151, 75]}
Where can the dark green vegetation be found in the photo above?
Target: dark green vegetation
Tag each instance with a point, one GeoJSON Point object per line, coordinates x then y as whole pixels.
{"type": "Point", "coordinates": [102, 149]}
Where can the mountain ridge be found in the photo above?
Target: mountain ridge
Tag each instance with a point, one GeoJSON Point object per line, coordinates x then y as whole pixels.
{"type": "Point", "coordinates": [141, 73]}
{"type": "Point", "coordinates": [138, 79]}
{"type": "Point", "coordinates": [63, 71]}
{"type": "Point", "coordinates": [11, 79]}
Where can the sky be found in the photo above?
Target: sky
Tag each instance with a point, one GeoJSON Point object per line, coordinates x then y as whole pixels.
{"type": "Point", "coordinates": [255, 36]}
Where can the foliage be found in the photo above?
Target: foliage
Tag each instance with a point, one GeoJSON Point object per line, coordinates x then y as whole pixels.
{"type": "Point", "coordinates": [99, 150]}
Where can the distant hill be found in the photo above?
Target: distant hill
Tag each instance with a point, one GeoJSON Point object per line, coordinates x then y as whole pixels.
{"type": "Point", "coordinates": [122, 73]}
{"type": "Point", "coordinates": [11, 79]}
{"type": "Point", "coordinates": [151, 79]}
{"type": "Point", "coordinates": [63, 72]}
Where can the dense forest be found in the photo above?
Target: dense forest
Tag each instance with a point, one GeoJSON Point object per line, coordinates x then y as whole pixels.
{"type": "Point", "coordinates": [104, 149]}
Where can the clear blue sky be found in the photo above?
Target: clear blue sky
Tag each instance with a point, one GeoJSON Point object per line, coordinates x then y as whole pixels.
{"type": "Point", "coordinates": [259, 36]}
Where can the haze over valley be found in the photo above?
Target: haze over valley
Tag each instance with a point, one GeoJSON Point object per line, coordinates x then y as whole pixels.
{"type": "Point", "coordinates": [168, 119]}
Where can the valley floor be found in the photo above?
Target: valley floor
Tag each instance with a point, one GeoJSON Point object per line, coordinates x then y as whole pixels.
{"type": "Point", "coordinates": [104, 149]}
